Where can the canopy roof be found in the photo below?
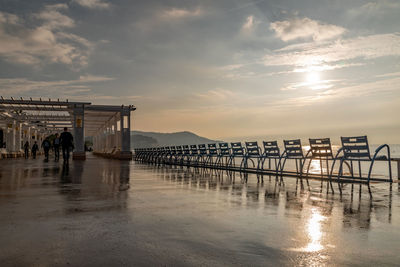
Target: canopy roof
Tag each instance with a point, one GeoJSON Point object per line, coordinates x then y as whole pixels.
{"type": "Point", "coordinates": [54, 115]}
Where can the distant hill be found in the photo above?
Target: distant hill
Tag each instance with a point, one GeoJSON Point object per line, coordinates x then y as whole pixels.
{"type": "Point", "coordinates": [141, 139]}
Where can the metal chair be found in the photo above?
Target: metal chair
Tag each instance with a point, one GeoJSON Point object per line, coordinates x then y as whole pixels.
{"type": "Point", "coordinates": [186, 155]}
{"type": "Point", "coordinates": [202, 154]}
{"type": "Point", "coordinates": [178, 158]}
{"type": "Point", "coordinates": [293, 150]}
{"type": "Point", "coordinates": [212, 154]}
{"type": "Point", "coordinates": [271, 152]}
{"type": "Point", "coordinates": [253, 151]}
{"type": "Point", "coordinates": [356, 149]}
{"type": "Point", "coordinates": [223, 153]}
{"type": "Point", "coordinates": [320, 149]}
{"type": "Point", "coordinates": [194, 155]}
{"type": "Point", "coordinates": [171, 154]}
{"type": "Point", "coordinates": [237, 151]}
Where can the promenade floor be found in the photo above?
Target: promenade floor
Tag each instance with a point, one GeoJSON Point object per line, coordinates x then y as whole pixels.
{"type": "Point", "coordinates": [102, 212]}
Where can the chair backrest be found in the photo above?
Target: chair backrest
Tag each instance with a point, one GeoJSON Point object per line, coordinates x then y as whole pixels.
{"type": "Point", "coordinates": [356, 147]}
{"type": "Point", "coordinates": [237, 149]}
{"type": "Point", "coordinates": [321, 147]}
{"type": "Point", "coordinates": [186, 150]}
{"type": "Point", "coordinates": [194, 150]}
{"type": "Point", "coordinates": [179, 150]}
{"type": "Point", "coordinates": [252, 149]}
{"type": "Point", "coordinates": [172, 150]}
{"type": "Point", "coordinates": [293, 148]}
{"type": "Point", "coordinates": [202, 149]}
{"type": "Point", "coordinates": [212, 149]}
{"type": "Point", "coordinates": [224, 149]}
{"type": "Point", "coordinates": [271, 149]}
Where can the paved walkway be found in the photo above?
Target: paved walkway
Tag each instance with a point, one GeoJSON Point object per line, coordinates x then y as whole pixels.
{"type": "Point", "coordinates": [103, 212]}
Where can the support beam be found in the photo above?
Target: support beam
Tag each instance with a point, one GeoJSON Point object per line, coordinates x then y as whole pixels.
{"type": "Point", "coordinates": [79, 133]}
{"type": "Point", "coordinates": [126, 152]}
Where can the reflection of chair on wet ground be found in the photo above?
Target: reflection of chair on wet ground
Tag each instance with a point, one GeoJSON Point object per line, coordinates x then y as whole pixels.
{"type": "Point", "coordinates": [253, 152]}
{"type": "Point", "coordinates": [356, 150]}
{"type": "Point", "coordinates": [294, 151]}
{"type": "Point", "coordinates": [223, 154]}
{"type": "Point", "coordinates": [271, 152]}
{"type": "Point", "coordinates": [320, 149]}
{"type": "Point", "coordinates": [237, 152]}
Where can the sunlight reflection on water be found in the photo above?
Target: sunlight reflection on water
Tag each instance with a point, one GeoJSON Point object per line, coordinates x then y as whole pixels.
{"type": "Point", "coordinates": [314, 231]}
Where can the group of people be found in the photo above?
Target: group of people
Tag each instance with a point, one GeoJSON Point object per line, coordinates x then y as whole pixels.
{"type": "Point", "coordinates": [64, 140]}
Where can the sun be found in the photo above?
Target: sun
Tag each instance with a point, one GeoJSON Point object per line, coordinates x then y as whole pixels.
{"type": "Point", "coordinates": [313, 78]}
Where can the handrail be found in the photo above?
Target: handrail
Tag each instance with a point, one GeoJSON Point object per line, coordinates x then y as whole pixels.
{"type": "Point", "coordinates": [374, 157]}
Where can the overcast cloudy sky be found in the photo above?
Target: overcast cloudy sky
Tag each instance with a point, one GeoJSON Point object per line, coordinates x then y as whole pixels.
{"type": "Point", "coordinates": [223, 69]}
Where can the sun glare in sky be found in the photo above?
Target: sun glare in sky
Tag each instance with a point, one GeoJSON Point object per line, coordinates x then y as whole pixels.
{"type": "Point", "coordinates": [313, 78]}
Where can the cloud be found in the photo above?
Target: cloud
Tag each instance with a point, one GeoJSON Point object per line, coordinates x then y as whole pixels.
{"type": "Point", "coordinates": [296, 28]}
{"type": "Point", "coordinates": [232, 67]}
{"type": "Point", "coordinates": [23, 86]}
{"type": "Point", "coordinates": [365, 47]}
{"type": "Point", "coordinates": [217, 94]}
{"type": "Point", "coordinates": [46, 43]}
{"type": "Point", "coordinates": [7, 18]}
{"type": "Point", "coordinates": [53, 19]}
{"type": "Point", "coordinates": [319, 85]}
{"type": "Point", "coordinates": [181, 13]}
{"type": "Point", "coordinates": [376, 8]}
{"type": "Point", "coordinates": [93, 78]}
{"type": "Point", "coordinates": [93, 4]}
{"type": "Point", "coordinates": [392, 74]}
{"type": "Point", "coordinates": [249, 24]}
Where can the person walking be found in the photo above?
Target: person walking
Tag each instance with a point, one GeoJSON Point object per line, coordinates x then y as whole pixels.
{"type": "Point", "coordinates": [56, 147]}
{"type": "Point", "coordinates": [35, 148]}
{"type": "Point", "coordinates": [66, 141]}
{"type": "Point", "coordinates": [26, 149]}
{"type": "Point", "coordinates": [46, 147]}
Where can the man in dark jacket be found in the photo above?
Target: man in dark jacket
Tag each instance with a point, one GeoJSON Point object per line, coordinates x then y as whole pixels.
{"type": "Point", "coordinates": [26, 149]}
{"type": "Point", "coordinates": [66, 141]}
{"type": "Point", "coordinates": [46, 147]}
{"type": "Point", "coordinates": [35, 148]}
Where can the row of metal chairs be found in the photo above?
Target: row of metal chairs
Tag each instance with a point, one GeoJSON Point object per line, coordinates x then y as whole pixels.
{"type": "Point", "coordinates": [268, 157]}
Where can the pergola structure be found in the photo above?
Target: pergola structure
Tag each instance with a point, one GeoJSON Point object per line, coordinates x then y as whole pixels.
{"type": "Point", "coordinates": [30, 120]}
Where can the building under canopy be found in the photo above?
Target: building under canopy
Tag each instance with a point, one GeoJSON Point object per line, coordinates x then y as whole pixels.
{"type": "Point", "coordinates": [30, 120]}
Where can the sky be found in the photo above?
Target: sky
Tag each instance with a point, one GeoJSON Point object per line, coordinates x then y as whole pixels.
{"type": "Point", "coordinates": [223, 69]}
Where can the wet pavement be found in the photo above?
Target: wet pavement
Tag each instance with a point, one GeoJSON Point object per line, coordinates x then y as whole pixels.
{"type": "Point", "coordinates": [102, 212]}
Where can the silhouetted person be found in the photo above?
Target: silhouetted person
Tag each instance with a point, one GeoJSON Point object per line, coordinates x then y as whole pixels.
{"type": "Point", "coordinates": [56, 147]}
{"type": "Point", "coordinates": [66, 141]}
{"type": "Point", "coordinates": [26, 149]}
{"type": "Point", "coordinates": [46, 147]}
{"type": "Point", "coordinates": [35, 148]}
